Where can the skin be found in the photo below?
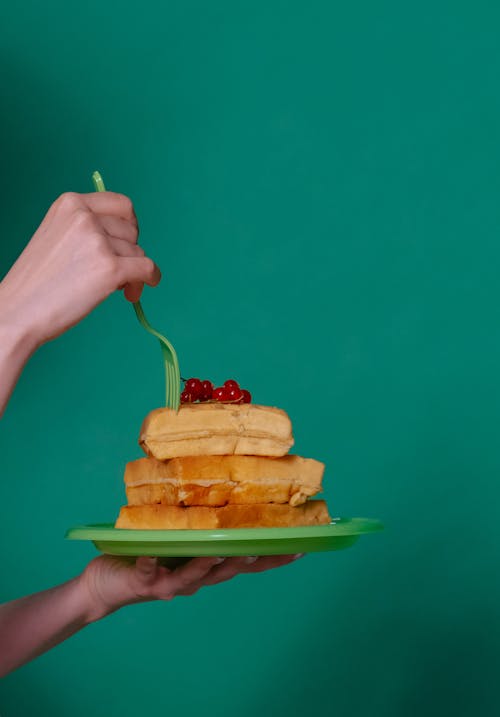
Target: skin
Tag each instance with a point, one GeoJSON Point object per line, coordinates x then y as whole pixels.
{"type": "Point", "coordinates": [84, 250]}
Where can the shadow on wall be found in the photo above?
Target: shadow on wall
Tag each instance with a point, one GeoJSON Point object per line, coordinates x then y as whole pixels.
{"type": "Point", "coordinates": [44, 135]}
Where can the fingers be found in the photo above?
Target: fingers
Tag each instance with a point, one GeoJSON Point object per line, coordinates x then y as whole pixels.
{"type": "Point", "coordinates": [115, 217]}
{"type": "Point", "coordinates": [118, 227]}
{"type": "Point", "coordinates": [122, 247]}
{"type": "Point", "coordinates": [229, 569]}
{"type": "Point", "coordinates": [134, 273]}
{"type": "Point", "coordinates": [234, 566]}
{"type": "Point", "coordinates": [187, 576]}
{"type": "Point", "coordinates": [146, 567]}
{"type": "Point", "coordinates": [159, 582]}
{"type": "Point", "coordinates": [122, 238]}
{"type": "Point", "coordinates": [133, 291]}
{"type": "Point", "coordinates": [110, 204]}
{"type": "Point", "coordinates": [140, 269]}
{"type": "Point", "coordinates": [146, 271]}
{"type": "Point", "coordinates": [269, 562]}
{"type": "Point", "coordinates": [219, 574]}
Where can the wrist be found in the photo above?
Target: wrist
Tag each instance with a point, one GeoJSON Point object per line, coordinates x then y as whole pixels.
{"type": "Point", "coordinates": [19, 337]}
{"type": "Point", "coordinates": [102, 595]}
{"type": "Point", "coordinates": [79, 609]}
{"type": "Point", "coordinates": [89, 609]}
{"type": "Point", "coordinates": [17, 344]}
{"type": "Point", "coordinates": [16, 340]}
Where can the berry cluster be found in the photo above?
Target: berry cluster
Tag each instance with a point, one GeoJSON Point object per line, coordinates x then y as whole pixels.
{"type": "Point", "coordinates": [230, 392]}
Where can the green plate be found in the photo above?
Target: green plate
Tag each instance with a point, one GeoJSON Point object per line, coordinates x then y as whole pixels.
{"type": "Point", "coordinates": [340, 533]}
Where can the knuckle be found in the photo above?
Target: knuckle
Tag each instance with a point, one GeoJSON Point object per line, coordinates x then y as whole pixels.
{"type": "Point", "coordinates": [149, 266]}
{"type": "Point", "coordinates": [185, 582]}
{"type": "Point", "coordinates": [110, 263]}
{"type": "Point", "coordinates": [143, 267]}
{"type": "Point", "coordinates": [126, 204]}
{"type": "Point", "coordinates": [69, 201]}
{"type": "Point", "coordinates": [107, 266]}
{"type": "Point", "coordinates": [84, 219]}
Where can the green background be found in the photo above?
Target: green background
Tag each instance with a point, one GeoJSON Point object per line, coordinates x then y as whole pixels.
{"type": "Point", "coordinates": [319, 183]}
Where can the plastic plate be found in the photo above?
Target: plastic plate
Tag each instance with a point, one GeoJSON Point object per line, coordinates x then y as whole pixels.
{"type": "Point", "coordinates": [340, 533]}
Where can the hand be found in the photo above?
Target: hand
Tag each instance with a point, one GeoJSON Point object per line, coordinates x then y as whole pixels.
{"type": "Point", "coordinates": [110, 583]}
{"type": "Point", "coordinates": [85, 248]}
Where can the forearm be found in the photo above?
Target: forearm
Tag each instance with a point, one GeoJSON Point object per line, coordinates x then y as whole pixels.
{"type": "Point", "coordinates": [36, 623]}
{"type": "Point", "coordinates": [16, 346]}
{"type": "Point", "coordinates": [18, 335]}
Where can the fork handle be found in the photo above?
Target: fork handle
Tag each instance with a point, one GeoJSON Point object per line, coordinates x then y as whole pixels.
{"type": "Point", "coordinates": [173, 399]}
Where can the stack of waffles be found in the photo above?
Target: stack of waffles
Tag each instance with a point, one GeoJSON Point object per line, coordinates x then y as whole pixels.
{"type": "Point", "coordinates": [220, 465]}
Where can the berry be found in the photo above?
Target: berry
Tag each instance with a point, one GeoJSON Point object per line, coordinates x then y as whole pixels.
{"type": "Point", "coordinates": [231, 384]}
{"type": "Point", "coordinates": [193, 386]}
{"type": "Point", "coordinates": [221, 394]}
{"type": "Point", "coordinates": [235, 395]}
{"type": "Point", "coordinates": [207, 389]}
{"type": "Point", "coordinates": [229, 392]}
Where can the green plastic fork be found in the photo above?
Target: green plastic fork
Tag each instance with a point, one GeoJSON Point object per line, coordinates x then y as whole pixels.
{"type": "Point", "coordinates": [172, 372]}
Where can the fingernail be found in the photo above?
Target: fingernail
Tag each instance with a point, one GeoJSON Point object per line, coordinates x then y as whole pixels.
{"type": "Point", "coordinates": [251, 559]}
{"type": "Point", "coordinates": [218, 561]}
{"type": "Point", "coordinates": [298, 555]}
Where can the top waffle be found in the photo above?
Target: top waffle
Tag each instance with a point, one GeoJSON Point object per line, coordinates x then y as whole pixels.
{"type": "Point", "coordinates": [216, 429]}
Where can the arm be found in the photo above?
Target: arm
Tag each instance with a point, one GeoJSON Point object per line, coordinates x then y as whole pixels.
{"type": "Point", "coordinates": [34, 624]}
{"type": "Point", "coordinates": [84, 250]}
{"type": "Point", "coordinates": [16, 346]}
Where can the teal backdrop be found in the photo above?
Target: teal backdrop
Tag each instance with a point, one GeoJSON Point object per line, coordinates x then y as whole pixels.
{"type": "Point", "coordinates": [320, 185]}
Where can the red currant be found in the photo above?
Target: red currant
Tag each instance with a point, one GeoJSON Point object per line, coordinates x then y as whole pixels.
{"type": "Point", "coordinates": [193, 387]}
{"type": "Point", "coordinates": [186, 397]}
{"type": "Point", "coordinates": [221, 394]}
{"type": "Point", "coordinates": [207, 389]}
{"type": "Point", "coordinates": [246, 395]}
{"type": "Point", "coordinates": [235, 395]}
{"type": "Point", "coordinates": [231, 384]}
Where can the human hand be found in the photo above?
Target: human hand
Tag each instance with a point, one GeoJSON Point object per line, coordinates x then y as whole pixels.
{"type": "Point", "coordinates": [109, 583]}
{"type": "Point", "coordinates": [84, 249]}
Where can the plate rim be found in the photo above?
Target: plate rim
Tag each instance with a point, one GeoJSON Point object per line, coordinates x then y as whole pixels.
{"type": "Point", "coordinates": [107, 532]}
